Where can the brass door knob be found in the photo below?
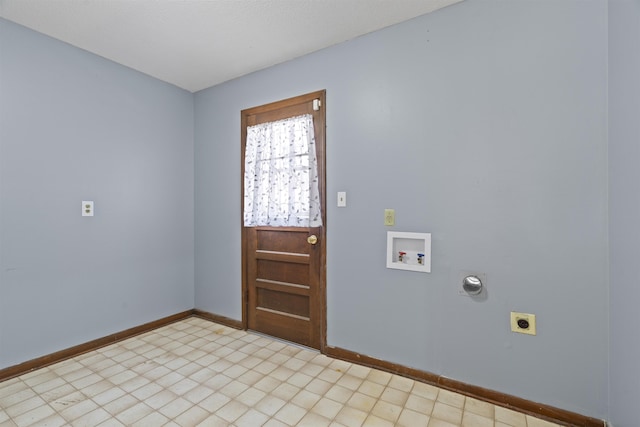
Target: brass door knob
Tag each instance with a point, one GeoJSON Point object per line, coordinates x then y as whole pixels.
{"type": "Point", "coordinates": [312, 239]}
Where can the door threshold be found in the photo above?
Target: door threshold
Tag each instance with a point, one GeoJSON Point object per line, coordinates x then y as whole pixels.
{"type": "Point", "coordinates": [295, 344]}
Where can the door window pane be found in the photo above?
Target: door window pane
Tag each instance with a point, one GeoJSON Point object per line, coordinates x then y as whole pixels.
{"type": "Point", "coordinates": [281, 174]}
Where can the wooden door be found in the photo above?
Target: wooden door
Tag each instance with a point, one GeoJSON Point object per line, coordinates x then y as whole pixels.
{"type": "Point", "coordinates": [284, 267]}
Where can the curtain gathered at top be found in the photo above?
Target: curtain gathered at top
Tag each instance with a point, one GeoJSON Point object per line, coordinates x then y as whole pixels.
{"type": "Point", "coordinates": [281, 174]}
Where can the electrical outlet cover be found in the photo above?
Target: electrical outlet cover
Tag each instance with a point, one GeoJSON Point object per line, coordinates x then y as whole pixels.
{"type": "Point", "coordinates": [523, 323]}
{"type": "Point", "coordinates": [87, 208]}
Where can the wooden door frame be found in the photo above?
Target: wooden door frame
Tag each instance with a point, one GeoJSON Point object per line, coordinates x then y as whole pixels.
{"type": "Point", "coordinates": [320, 130]}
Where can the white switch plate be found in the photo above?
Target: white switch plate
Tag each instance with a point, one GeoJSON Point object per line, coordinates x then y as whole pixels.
{"type": "Point", "coordinates": [342, 199]}
{"type": "Point", "coordinates": [87, 208]}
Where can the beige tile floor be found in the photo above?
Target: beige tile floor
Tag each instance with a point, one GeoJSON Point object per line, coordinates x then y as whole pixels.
{"type": "Point", "coordinates": [198, 373]}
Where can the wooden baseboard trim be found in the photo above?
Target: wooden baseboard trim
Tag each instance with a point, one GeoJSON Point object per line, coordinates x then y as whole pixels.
{"type": "Point", "coordinates": [59, 356]}
{"type": "Point", "coordinates": [497, 398]}
{"type": "Point", "coordinates": [226, 321]}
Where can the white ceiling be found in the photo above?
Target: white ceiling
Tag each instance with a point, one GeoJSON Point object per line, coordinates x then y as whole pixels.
{"type": "Point", "coordinates": [195, 44]}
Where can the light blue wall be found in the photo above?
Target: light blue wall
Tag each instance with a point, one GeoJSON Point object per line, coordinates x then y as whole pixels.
{"type": "Point", "coordinates": [624, 209]}
{"type": "Point", "coordinates": [73, 127]}
{"type": "Point", "coordinates": [484, 124]}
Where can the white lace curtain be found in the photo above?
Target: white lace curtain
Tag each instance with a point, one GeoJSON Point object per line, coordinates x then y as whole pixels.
{"type": "Point", "coordinates": [281, 174]}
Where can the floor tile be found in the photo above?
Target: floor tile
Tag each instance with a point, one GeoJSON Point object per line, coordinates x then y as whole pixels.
{"type": "Point", "coordinates": [251, 418]}
{"type": "Point", "coordinates": [450, 398]}
{"type": "Point", "coordinates": [49, 385]}
{"type": "Point", "coordinates": [374, 421]}
{"type": "Point", "coordinates": [419, 404]}
{"type": "Point", "coordinates": [192, 416]}
{"type": "Point", "coordinates": [134, 413]}
{"type": "Point", "coordinates": [469, 419]}
{"type": "Point", "coordinates": [362, 402]}
{"type": "Point", "coordinates": [161, 399]}
{"type": "Point", "coordinates": [327, 408]}
{"type": "Point", "coordinates": [447, 413]}
{"type": "Point", "coordinates": [54, 420]}
{"type": "Point", "coordinates": [97, 388]}
{"type": "Point", "coordinates": [379, 377]}
{"type": "Point", "coordinates": [394, 396]}
{"type": "Point", "coordinates": [387, 411]}
{"type": "Point", "coordinates": [435, 422]}
{"type": "Point", "coordinates": [197, 373]}
{"type": "Point", "coordinates": [319, 386]}
{"type": "Point", "coordinates": [285, 391]}
{"type": "Point", "coordinates": [198, 394]}
{"type": "Point", "coordinates": [38, 377]}
{"type": "Point", "coordinates": [479, 407]}
{"type": "Point", "coordinates": [20, 395]}
{"type": "Point", "coordinates": [330, 375]}
{"type": "Point", "coordinates": [290, 414]}
{"type": "Point", "coordinates": [411, 418]}
{"type": "Point", "coordinates": [92, 418]}
{"type": "Point", "coordinates": [33, 416]}
{"type": "Point", "coordinates": [536, 422]}
{"type": "Point", "coordinates": [175, 407]}
{"type": "Point", "coordinates": [371, 388]}
{"type": "Point", "coordinates": [274, 423]}
{"type": "Point", "coordinates": [214, 402]}
{"type": "Point", "coordinates": [306, 400]}
{"type": "Point", "coordinates": [510, 417]}
{"type": "Point", "coordinates": [112, 422]}
{"type": "Point", "coordinates": [401, 383]}
{"type": "Point", "coordinates": [108, 395]}
{"type": "Point", "coordinates": [351, 417]}
{"type": "Point", "coordinates": [120, 404]}
{"type": "Point", "coordinates": [11, 386]}
{"type": "Point", "coordinates": [153, 419]}
{"type": "Point", "coordinates": [24, 406]}
{"type": "Point", "coordinates": [232, 410]}
{"type": "Point", "coordinates": [77, 409]}
{"type": "Point", "coordinates": [312, 419]}
{"type": "Point", "coordinates": [350, 382]}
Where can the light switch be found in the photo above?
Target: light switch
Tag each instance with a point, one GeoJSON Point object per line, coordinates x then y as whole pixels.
{"type": "Point", "coordinates": [389, 217]}
{"type": "Point", "coordinates": [87, 208]}
{"type": "Point", "coordinates": [342, 199]}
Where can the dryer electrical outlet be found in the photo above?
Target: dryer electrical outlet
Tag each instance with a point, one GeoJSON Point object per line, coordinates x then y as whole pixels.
{"type": "Point", "coordinates": [523, 323]}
